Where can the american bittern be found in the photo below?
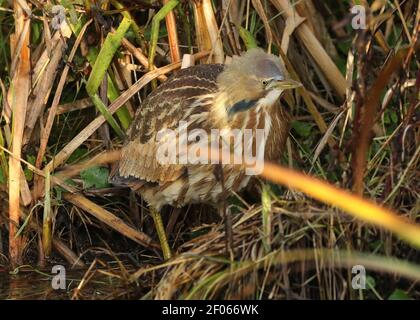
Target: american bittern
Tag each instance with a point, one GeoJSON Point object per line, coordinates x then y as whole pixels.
{"type": "Point", "coordinates": [242, 95]}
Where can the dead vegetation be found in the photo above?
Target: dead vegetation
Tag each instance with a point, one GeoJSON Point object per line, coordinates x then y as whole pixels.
{"type": "Point", "coordinates": [72, 74]}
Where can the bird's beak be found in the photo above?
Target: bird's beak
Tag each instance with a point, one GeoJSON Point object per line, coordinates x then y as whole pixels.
{"type": "Point", "coordinates": [287, 84]}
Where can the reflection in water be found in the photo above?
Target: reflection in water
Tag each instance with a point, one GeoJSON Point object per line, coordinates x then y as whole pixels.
{"type": "Point", "coordinates": [38, 285]}
{"type": "Point", "coordinates": [28, 285]}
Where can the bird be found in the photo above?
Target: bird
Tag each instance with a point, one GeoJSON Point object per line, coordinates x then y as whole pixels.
{"type": "Point", "coordinates": [242, 95]}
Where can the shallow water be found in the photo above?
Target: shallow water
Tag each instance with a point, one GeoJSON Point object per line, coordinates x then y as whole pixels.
{"type": "Point", "coordinates": [40, 284]}
{"type": "Point", "coordinates": [28, 285]}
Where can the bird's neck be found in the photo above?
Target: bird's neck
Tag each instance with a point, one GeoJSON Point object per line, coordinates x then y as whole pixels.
{"type": "Point", "coordinates": [248, 112]}
{"type": "Point", "coordinates": [218, 115]}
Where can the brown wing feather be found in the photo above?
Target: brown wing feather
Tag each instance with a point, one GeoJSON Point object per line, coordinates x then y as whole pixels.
{"type": "Point", "coordinates": [173, 101]}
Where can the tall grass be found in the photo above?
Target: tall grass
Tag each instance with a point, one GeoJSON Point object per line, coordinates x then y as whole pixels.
{"type": "Point", "coordinates": [346, 194]}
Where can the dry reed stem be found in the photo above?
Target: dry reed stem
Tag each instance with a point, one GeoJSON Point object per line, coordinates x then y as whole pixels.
{"type": "Point", "coordinates": [110, 219]}
{"type": "Point", "coordinates": [45, 133]}
{"type": "Point", "coordinates": [59, 245]}
{"type": "Point", "coordinates": [74, 106]}
{"type": "Point", "coordinates": [19, 93]}
{"type": "Point", "coordinates": [318, 25]}
{"type": "Point", "coordinates": [106, 157]}
{"type": "Point", "coordinates": [187, 61]}
{"type": "Point", "coordinates": [218, 54]}
{"type": "Point", "coordinates": [313, 110]}
{"type": "Point", "coordinates": [25, 191]}
{"type": "Point", "coordinates": [172, 35]}
{"type": "Point", "coordinates": [208, 35]}
{"type": "Point", "coordinates": [291, 25]}
{"type": "Point", "coordinates": [139, 55]}
{"type": "Point", "coordinates": [67, 253]}
{"type": "Point", "coordinates": [202, 33]}
{"type": "Point", "coordinates": [261, 12]}
{"type": "Point", "coordinates": [370, 109]}
{"type": "Point", "coordinates": [83, 135]}
{"type": "Point", "coordinates": [229, 11]}
{"type": "Point", "coordinates": [45, 81]}
{"type": "Point", "coordinates": [357, 206]}
{"type": "Point", "coordinates": [314, 48]}
{"type": "Point", "coordinates": [90, 207]}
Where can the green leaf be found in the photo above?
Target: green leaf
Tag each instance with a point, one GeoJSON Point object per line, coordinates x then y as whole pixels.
{"type": "Point", "coordinates": [247, 38]}
{"type": "Point", "coordinates": [78, 154]}
{"type": "Point", "coordinates": [303, 129]}
{"type": "Point", "coordinates": [390, 117]}
{"type": "Point", "coordinates": [59, 190]}
{"type": "Point", "coordinates": [95, 177]}
{"type": "Point", "coordinates": [105, 56]}
{"type": "Point", "coordinates": [100, 68]}
{"type": "Point", "coordinates": [394, 117]}
{"type": "Point", "coordinates": [36, 33]}
{"type": "Point", "coordinates": [29, 175]}
{"type": "Point", "coordinates": [399, 294]}
{"type": "Point", "coordinates": [371, 282]}
{"type": "Point", "coordinates": [2, 177]}
{"type": "Point", "coordinates": [342, 65]}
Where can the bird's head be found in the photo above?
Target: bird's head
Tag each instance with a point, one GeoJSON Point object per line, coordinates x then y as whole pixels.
{"type": "Point", "coordinates": [251, 80]}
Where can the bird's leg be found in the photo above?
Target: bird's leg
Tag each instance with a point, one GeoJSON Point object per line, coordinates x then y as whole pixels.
{"type": "Point", "coordinates": [157, 218]}
{"type": "Point", "coordinates": [225, 213]}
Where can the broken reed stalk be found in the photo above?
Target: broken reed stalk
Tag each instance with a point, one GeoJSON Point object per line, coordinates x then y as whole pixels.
{"type": "Point", "coordinates": [54, 105]}
{"type": "Point", "coordinates": [202, 34]}
{"type": "Point", "coordinates": [44, 74]}
{"type": "Point", "coordinates": [217, 53]}
{"type": "Point", "coordinates": [103, 158]}
{"type": "Point", "coordinates": [45, 133]}
{"type": "Point", "coordinates": [18, 98]}
{"type": "Point", "coordinates": [109, 219]}
{"type": "Point", "coordinates": [314, 47]}
{"type": "Point", "coordinates": [104, 215]}
{"type": "Point", "coordinates": [25, 191]}
{"type": "Point", "coordinates": [139, 55]}
{"type": "Point", "coordinates": [74, 106]}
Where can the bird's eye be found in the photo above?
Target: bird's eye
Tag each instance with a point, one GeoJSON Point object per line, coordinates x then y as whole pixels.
{"type": "Point", "coordinates": [265, 82]}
